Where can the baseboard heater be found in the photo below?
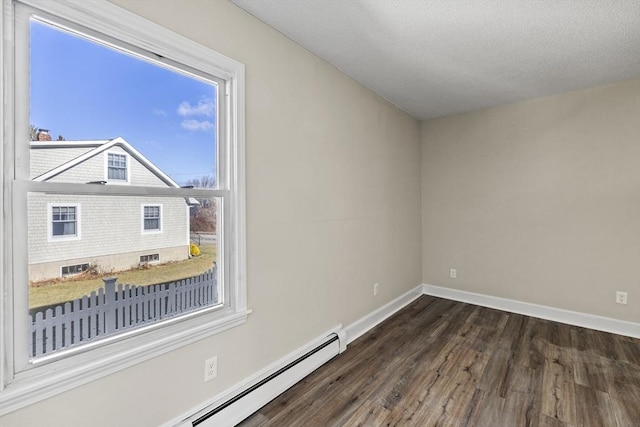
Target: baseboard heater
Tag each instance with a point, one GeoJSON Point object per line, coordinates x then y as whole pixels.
{"type": "Point", "coordinates": [239, 407]}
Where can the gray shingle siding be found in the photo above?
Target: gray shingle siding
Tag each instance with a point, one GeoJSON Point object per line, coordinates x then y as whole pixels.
{"type": "Point", "coordinates": [95, 169]}
{"type": "Point", "coordinates": [108, 225]}
{"type": "Point", "coordinates": [44, 159]}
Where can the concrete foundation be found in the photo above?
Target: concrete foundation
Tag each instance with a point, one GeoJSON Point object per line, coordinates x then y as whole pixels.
{"type": "Point", "coordinates": [107, 263]}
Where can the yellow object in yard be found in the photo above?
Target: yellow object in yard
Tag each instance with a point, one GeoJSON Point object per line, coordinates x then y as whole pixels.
{"type": "Point", "coordinates": [194, 250]}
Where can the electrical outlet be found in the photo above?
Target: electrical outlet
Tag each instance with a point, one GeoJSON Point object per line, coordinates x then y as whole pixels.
{"type": "Point", "coordinates": [621, 297]}
{"type": "Point", "coordinates": [453, 273]}
{"type": "Point", "coordinates": [375, 289]}
{"type": "Point", "coordinates": [211, 368]}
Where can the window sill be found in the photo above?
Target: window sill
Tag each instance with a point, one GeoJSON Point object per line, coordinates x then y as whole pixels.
{"type": "Point", "coordinates": [56, 239]}
{"type": "Point", "coordinates": [47, 378]}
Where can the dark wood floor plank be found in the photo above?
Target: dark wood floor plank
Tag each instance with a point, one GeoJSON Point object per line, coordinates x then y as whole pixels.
{"type": "Point", "coordinates": [629, 349]}
{"type": "Point", "coordinates": [329, 415]}
{"type": "Point", "coordinates": [395, 388]}
{"type": "Point", "coordinates": [591, 371]}
{"type": "Point", "coordinates": [530, 348]}
{"type": "Point", "coordinates": [484, 410]}
{"type": "Point", "coordinates": [368, 415]}
{"type": "Point", "coordinates": [558, 386]}
{"type": "Point", "coordinates": [604, 345]}
{"type": "Point", "coordinates": [514, 330]}
{"type": "Point", "coordinates": [593, 408]}
{"type": "Point", "coordinates": [521, 379]}
{"type": "Point", "coordinates": [557, 334]}
{"type": "Point", "coordinates": [443, 363]}
{"type": "Point", "coordinates": [625, 405]}
{"type": "Point", "coordinates": [489, 318]}
{"type": "Point", "coordinates": [461, 373]}
{"type": "Point", "coordinates": [495, 378]}
{"type": "Point", "coordinates": [619, 373]}
{"type": "Point", "coordinates": [546, 421]}
{"type": "Point", "coordinates": [521, 409]}
{"type": "Point", "coordinates": [426, 385]}
{"type": "Point", "coordinates": [479, 338]}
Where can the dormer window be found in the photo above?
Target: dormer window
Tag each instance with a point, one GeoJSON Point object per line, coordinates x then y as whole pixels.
{"type": "Point", "coordinates": [117, 167]}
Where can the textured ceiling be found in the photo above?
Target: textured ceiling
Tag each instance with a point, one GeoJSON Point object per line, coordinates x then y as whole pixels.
{"type": "Point", "coordinates": [438, 58]}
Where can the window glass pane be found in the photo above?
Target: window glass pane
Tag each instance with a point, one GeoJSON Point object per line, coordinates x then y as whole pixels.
{"type": "Point", "coordinates": [68, 279]}
{"type": "Point", "coordinates": [100, 114]}
{"type": "Point", "coordinates": [63, 221]}
{"type": "Point", "coordinates": [64, 228]}
{"type": "Point", "coordinates": [152, 218]}
{"type": "Point", "coordinates": [117, 166]}
{"type": "Point", "coordinates": [151, 224]}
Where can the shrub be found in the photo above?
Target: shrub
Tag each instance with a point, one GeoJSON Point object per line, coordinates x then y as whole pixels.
{"type": "Point", "coordinates": [194, 250]}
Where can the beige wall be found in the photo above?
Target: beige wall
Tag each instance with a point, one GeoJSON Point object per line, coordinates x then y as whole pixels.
{"type": "Point", "coordinates": [538, 201]}
{"type": "Point", "coordinates": [333, 206]}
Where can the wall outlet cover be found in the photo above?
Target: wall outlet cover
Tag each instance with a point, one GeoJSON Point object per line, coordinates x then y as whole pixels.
{"type": "Point", "coordinates": [621, 297]}
{"type": "Point", "coordinates": [211, 368]}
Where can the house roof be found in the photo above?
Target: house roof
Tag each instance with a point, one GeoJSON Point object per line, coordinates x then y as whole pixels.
{"type": "Point", "coordinates": [98, 147]}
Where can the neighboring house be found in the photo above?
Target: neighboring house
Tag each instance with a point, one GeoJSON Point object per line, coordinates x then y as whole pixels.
{"type": "Point", "coordinates": [70, 233]}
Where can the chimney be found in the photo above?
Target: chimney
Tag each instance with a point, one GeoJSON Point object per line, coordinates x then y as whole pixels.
{"type": "Point", "coordinates": [43, 135]}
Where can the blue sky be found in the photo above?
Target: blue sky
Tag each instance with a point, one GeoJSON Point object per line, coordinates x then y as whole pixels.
{"type": "Point", "coordinates": [82, 90]}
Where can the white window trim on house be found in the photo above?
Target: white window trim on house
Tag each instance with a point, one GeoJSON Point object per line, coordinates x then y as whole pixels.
{"type": "Point", "coordinates": [127, 168]}
{"type": "Point", "coordinates": [24, 381]}
{"type": "Point", "coordinates": [63, 238]}
{"type": "Point", "coordinates": [142, 218]}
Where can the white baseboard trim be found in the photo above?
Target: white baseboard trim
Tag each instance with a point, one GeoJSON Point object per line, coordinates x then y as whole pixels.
{"type": "Point", "coordinates": [364, 324]}
{"type": "Point", "coordinates": [575, 318]}
{"type": "Point", "coordinates": [346, 336]}
{"type": "Point", "coordinates": [246, 408]}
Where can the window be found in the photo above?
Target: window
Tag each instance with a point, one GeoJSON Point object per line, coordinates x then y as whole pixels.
{"type": "Point", "coordinates": [63, 221]}
{"type": "Point", "coordinates": [149, 258]}
{"type": "Point", "coordinates": [151, 218]}
{"type": "Point", "coordinates": [70, 270]}
{"type": "Point", "coordinates": [70, 172]}
{"type": "Point", "coordinates": [116, 167]}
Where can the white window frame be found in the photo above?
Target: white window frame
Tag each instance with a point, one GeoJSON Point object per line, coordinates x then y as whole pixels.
{"type": "Point", "coordinates": [24, 381]}
{"type": "Point", "coordinates": [142, 218]}
{"type": "Point", "coordinates": [63, 238]}
{"type": "Point", "coordinates": [127, 168]}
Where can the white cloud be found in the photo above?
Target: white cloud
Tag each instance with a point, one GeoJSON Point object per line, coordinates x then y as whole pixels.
{"type": "Point", "coordinates": [197, 124]}
{"type": "Point", "coordinates": [159, 112]}
{"type": "Point", "coordinates": [204, 107]}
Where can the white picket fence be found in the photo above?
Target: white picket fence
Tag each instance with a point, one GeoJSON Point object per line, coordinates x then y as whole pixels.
{"type": "Point", "coordinates": [114, 309]}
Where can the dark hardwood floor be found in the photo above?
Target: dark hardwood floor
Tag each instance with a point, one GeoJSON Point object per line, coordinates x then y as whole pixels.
{"type": "Point", "coordinates": [444, 363]}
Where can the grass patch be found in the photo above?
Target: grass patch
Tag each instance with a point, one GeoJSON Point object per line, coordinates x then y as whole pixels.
{"type": "Point", "coordinates": [58, 290]}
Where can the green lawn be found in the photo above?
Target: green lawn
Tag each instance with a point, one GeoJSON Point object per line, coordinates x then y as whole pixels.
{"type": "Point", "coordinates": [58, 291]}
